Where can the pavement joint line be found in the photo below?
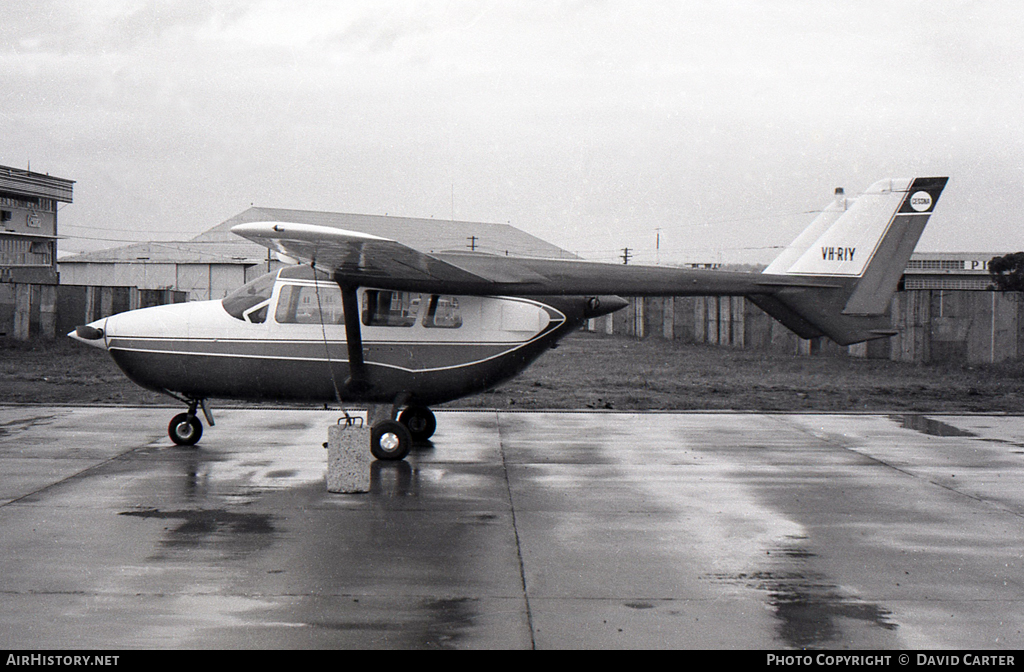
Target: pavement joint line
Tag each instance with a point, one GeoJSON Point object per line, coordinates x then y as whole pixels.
{"type": "Point", "coordinates": [76, 474]}
{"type": "Point", "coordinates": [515, 530]}
{"type": "Point", "coordinates": [910, 474]}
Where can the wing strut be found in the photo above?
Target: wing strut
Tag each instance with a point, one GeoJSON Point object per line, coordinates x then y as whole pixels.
{"type": "Point", "coordinates": [358, 381]}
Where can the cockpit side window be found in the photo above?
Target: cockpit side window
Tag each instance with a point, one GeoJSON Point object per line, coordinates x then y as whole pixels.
{"type": "Point", "coordinates": [443, 313]}
{"type": "Point", "coordinates": [308, 304]}
{"type": "Point", "coordinates": [251, 294]}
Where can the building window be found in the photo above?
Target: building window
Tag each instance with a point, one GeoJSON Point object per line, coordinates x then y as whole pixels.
{"type": "Point", "coordinates": [975, 283]}
{"type": "Point", "coordinates": [19, 252]}
{"type": "Point", "coordinates": [937, 264]}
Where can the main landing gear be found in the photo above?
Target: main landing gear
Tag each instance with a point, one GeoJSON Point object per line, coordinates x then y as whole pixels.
{"type": "Point", "coordinates": [392, 439]}
{"type": "Point", "coordinates": [185, 428]}
{"type": "Point", "coordinates": [420, 422]}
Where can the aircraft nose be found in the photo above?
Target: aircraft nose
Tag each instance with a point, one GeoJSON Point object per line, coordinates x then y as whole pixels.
{"type": "Point", "coordinates": [91, 334]}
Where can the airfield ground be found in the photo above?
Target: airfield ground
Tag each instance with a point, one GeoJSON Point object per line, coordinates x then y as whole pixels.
{"type": "Point", "coordinates": [607, 372]}
{"type": "Point", "coordinates": [515, 530]}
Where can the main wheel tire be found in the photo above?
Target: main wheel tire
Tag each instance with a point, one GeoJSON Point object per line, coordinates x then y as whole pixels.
{"type": "Point", "coordinates": [185, 429]}
{"type": "Point", "coordinates": [420, 422]}
{"type": "Point", "coordinates": [390, 440]}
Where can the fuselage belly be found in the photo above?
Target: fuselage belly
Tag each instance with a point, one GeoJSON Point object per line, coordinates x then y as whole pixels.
{"type": "Point", "coordinates": [446, 372]}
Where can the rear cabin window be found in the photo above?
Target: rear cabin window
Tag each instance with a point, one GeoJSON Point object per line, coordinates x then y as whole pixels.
{"type": "Point", "coordinates": [239, 303]}
{"type": "Point", "coordinates": [383, 308]}
{"type": "Point", "coordinates": [442, 313]}
{"type": "Point", "coordinates": [306, 304]}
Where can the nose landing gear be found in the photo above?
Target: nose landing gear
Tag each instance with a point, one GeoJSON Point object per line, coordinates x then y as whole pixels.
{"type": "Point", "coordinates": [185, 428]}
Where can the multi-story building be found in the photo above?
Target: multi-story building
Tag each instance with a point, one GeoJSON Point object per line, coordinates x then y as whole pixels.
{"type": "Point", "coordinates": [28, 225]}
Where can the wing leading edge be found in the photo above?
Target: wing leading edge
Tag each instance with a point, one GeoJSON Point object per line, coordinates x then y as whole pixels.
{"type": "Point", "coordinates": [353, 255]}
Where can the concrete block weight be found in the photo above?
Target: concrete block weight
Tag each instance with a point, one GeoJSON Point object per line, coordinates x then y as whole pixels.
{"type": "Point", "coordinates": [348, 457]}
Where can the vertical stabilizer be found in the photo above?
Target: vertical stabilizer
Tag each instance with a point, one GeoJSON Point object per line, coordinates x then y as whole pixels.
{"type": "Point", "coordinates": [857, 239]}
{"type": "Point", "coordinates": [861, 248]}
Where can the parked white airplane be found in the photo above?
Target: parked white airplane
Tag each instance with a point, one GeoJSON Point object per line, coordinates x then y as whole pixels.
{"type": "Point", "coordinates": [424, 327]}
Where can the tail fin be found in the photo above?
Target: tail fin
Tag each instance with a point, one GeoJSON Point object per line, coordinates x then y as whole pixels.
{"type": "Point", "coordinates": [855, 253]}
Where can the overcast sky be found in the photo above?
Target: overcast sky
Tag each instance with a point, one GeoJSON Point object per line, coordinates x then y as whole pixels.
{"type": "Point", "coordinates": [592, 124]}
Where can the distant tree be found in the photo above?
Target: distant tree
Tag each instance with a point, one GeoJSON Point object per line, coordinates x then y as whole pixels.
{"type": "Point", "coordinates": [1008, 272]}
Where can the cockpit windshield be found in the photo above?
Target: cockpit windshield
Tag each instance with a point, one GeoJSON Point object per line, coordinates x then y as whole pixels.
{"type": "Point", "coordinates": [248, 295]}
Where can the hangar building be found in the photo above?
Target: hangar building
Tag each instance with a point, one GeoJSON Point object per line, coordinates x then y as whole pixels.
{"type": "Point", "coordinates": [208, 266]}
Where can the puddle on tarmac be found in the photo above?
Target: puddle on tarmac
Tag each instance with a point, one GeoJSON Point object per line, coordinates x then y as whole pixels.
{"type": "Point", "coordinates": [929, 426]}
{"type": "Point", "coordinates": [289, 426]}
{"type": "Point", "coordinates": [933, 427]}
{"type": "Point", "coordinates": [235, 534]}
{"type": "Point", "coordinates": [438, 623]}
{"type": "Point", "coordinates": [810, 609]}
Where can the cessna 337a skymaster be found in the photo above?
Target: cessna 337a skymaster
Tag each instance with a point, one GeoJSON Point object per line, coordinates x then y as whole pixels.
{"type": "Point", "coordinates": [424, 328]}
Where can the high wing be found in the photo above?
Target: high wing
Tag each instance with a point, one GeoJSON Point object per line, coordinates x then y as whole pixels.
{"type": "Point", "coordinates": [364, 259]}
{"type": "Point", "coordinates": [836, 279]}
{"type": "Point", "coordinates": [356, 256]}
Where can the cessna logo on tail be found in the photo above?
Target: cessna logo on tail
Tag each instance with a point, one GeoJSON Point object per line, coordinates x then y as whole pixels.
{"type": "Point", "coordinates": [838, 253]}
{"type": "Point", "coordinates": [921, 201]}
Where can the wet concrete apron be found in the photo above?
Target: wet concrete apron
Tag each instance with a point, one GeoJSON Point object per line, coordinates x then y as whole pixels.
{"type": "Point", "coordinates": [514, 530]}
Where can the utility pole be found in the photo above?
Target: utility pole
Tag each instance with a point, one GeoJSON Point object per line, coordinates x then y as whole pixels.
{"type": "Point", "coordinates": [472, 242]}
{"type": "Point", "coordinates": [625, 255]}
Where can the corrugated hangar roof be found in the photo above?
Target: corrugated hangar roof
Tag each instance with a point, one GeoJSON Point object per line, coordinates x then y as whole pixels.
{"type": "Point", "coordinates": [219, 246]}
{"type": "Point", "coordinates": [175, 253]}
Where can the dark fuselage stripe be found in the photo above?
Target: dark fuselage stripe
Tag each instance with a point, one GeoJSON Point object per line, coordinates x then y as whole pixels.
{"type": "Point", "coordinates": [404, 356]}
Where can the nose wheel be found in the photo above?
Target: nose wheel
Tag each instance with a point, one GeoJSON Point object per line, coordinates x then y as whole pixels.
{"type": "Point", "coordinates": [186, 429]}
